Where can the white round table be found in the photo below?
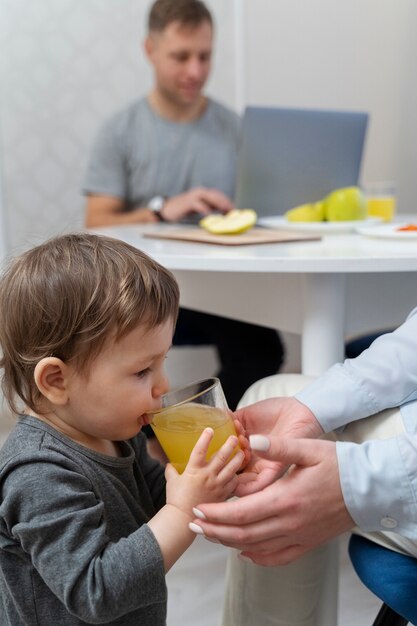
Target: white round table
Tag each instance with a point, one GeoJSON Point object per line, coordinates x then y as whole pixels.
{"type": "Point", "coordinates": [324, 290]}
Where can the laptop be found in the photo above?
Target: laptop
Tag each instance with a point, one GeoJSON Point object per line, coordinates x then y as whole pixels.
{"type": "Point", "coordinates": [289, 157]}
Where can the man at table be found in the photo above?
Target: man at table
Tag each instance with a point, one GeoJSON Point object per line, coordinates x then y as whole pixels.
{"type": "Point", "coordinates": [172, 154]}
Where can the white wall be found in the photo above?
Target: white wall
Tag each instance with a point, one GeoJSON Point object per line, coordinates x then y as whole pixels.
{"type": "Point", "coordinates": [66, 65]}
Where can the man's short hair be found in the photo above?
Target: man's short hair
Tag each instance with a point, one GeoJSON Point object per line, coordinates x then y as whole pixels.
{"type": "Point", "coordinates": [67, 297]}
{"type": "Point", "coordinates": [189, 13]}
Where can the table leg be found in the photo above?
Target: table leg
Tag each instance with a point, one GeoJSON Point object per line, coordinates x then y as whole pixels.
{"type": "Point", "coordinates": [322, 346]}
{"type": "Point", "coordinates": [322, 341]}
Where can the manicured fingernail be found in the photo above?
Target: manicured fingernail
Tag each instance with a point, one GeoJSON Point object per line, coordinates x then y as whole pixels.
{"type": "Point", "coordinates": [196, 528]}
{"type": "Point", "coordinates": [259, 442]}
{"type": "Point", "coordinates": [244, 558]}
{"type": "Point", "coordinates": [199, 513]}
{"type": "Point", "coordinates": [209, 430]}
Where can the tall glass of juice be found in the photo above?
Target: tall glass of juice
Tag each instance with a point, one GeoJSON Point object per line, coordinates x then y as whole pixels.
{"type": "Point", "coordinates": [381, 199]}
{"type": "Point", "coordinates": [185, 413]}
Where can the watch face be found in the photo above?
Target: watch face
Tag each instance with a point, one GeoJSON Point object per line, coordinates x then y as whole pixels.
{"type": "Point", "coordinates": [156, 204]}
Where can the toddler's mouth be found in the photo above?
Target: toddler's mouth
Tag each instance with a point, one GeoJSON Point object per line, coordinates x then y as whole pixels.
{"type": "Point", "coordinates": [147, 418]}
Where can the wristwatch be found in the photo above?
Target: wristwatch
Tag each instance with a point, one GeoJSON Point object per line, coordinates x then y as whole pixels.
{"type": "Point", "coordinates": [155, 205]}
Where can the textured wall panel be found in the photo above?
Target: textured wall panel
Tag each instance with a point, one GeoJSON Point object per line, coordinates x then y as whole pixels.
{"type": "Point", "coordinates": [65, 66]}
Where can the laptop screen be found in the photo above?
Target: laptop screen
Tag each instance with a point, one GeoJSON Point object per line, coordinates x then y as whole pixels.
{"type": "Point", "coordinates": [289, 157]}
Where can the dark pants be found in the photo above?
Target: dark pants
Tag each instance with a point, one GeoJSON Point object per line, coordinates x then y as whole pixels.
{"type": "Point", "coordinates": [246, 352]}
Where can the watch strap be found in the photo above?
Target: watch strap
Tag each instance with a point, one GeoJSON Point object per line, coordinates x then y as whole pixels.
{"type": "Point", "coordinates": [156, 205]}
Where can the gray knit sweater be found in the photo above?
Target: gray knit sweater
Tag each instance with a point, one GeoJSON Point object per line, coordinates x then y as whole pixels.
{"type": "Point", "coordinates": [74, 544]}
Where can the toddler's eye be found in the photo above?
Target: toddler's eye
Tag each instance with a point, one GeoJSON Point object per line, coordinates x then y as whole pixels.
{"type": "Point", "coordinates": [143, 373]}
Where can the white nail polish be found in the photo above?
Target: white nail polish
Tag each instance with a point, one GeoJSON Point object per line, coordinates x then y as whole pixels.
{"type": "Point", "coordinates": [198, 513]}
{"type": "Point", "coordinates": [259, 442]}
{"type": "Point", "coordinates": [196, 528]}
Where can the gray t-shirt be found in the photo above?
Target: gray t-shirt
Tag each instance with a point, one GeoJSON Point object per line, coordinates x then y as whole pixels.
{"type": "Point", "coordinates": [138, 155]}
{"type": "Point", "coordinates": [74, 544]}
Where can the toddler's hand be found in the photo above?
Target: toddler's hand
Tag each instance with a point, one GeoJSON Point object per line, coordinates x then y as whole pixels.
{"type": "Point", "coordinates": [243, 443]}
{"type": "Point", "coordinates": [209, 481]}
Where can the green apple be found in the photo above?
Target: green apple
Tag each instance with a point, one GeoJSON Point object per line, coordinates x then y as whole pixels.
{"type": "Point", "coordinates": [306, 213]}
{"type": "Point", "coordinates": [346, 204]}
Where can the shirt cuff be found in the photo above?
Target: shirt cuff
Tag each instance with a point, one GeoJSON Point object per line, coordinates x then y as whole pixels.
{"type": "Point", "coordinates": [376, 485]}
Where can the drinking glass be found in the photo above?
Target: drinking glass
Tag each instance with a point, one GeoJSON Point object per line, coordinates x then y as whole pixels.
{"type": "Point", "coordinates": [381, 198]}
{"type": "Point", "coordinates": [185, 413]}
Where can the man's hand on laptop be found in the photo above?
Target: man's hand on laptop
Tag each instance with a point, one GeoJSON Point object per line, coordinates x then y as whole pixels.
{"type": "Point", "coordinates": [198, 200]}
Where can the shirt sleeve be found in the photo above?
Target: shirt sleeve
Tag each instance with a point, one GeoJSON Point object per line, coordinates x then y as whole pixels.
{"type": "Point", "coordinates": [63, 530]}
{"type": "Point", "coordinates": [378, 477]}
{"type": "Point", "coordinates": [106, 172]}
{"type": "Point", "coordinates": [383, 376]}
{"type": "Point", "coordinates": [378, 483]}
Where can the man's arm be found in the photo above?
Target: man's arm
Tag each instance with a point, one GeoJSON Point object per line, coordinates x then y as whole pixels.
{"type": "Point", "coordinates": [103, 210]}
{"type": "Point", "coordinates": [108, 210]}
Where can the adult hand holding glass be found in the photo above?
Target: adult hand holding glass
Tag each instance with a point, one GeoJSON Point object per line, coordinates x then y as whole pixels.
{"type": "Point", "coordinates": [289, 517]}
{"type": "Point", "coordinates": [280, 417]}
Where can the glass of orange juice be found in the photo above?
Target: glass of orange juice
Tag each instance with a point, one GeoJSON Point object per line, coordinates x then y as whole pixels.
{"type": "Point", "coordinates": [381, 198]}
{"type": "Point", "coordinates": [185, 413]}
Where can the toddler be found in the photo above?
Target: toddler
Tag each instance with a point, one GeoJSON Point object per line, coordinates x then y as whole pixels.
{"type": "Point", "coordinates": [89, 525]}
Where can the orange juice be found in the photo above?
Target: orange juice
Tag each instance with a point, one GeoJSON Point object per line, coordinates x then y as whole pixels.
{"type": "Point", "coordinates": [178, 428]}
{"type": "Point", "coordinates": [382, 207]}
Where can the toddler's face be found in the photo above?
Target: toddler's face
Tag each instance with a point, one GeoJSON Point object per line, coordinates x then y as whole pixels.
{"type": "Point", "coordinates": [123, 384]}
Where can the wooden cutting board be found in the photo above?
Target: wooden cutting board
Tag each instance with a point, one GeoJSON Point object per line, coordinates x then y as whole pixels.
{"type": "Point", "coordinates": [253, 236]}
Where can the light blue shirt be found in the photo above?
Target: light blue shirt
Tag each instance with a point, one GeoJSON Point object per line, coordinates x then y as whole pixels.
{"type": "Point", "coordinates": [379, 477]}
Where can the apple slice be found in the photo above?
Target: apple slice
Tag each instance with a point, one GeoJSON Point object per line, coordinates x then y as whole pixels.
{"type": "Point", "coordinates": [232, 223]}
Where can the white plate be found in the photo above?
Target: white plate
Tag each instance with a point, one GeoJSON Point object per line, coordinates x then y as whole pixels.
{"type": "Point", "coordinates": [388, 231]}
{"type": "Point", "coordinates": [322, 228]}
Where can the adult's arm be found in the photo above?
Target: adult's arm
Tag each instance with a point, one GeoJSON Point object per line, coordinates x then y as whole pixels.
{"type": "Point", "coordinates": [383, 376]}
{"type": "Point", "coordinates": [104, 210]}
{"type": "Point", "coordinates": [308, 506]}
{"type": "Point", "coordinates": [374, 483]}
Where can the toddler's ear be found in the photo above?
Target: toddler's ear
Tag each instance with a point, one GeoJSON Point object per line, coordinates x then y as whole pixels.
{"type": "Point", "coordinates": [51, 379]}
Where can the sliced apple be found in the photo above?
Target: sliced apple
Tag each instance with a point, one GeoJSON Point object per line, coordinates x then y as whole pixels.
{"type": "Point", "coordinates": [232, 223]}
